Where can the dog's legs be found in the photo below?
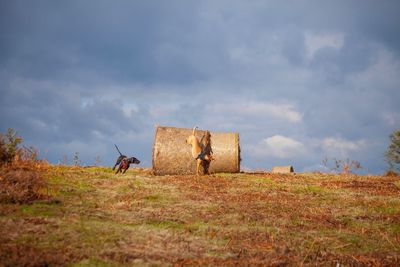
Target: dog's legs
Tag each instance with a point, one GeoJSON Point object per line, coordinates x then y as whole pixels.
{"type": "Point", "coordinates": [119, 169]}
{"type": "Point", "coordinates": [119, 159]}
{"type": "Point", "coordinates": [127, 167]}
{"type": "Point", "coordinates": [198, 166]}
{"type": "Point", "coordinates": [206, 165]}
{"type": "Point", "coordinates": [115, 166]}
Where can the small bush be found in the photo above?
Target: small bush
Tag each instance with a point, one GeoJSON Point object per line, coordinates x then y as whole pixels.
{"type": "Point", "coordinates": [3, 151]}
{"type": "Point", "coordinates": [27, 255]}
{"type": "Point", "coordinates": [392, 154]}
{"type": "Point", "coordinates": [21, 185]}
{"type": "Point", "coordinates": [9, 143]}
{"type": "Point", "coordinates": [20, 177]}
{"type": "Point", "coordinates": [342, 166]}
{"type": "Point", "coordinates": [391, 173]}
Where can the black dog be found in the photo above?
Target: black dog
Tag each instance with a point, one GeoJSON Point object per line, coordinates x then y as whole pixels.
{"type": "Point", "coordinates": [124, 162]}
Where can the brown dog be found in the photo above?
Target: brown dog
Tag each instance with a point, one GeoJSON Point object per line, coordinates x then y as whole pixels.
{"type": "Point", "coordinates": [207, 150]}
{"type": "Point", "coordinates": [198, 152]}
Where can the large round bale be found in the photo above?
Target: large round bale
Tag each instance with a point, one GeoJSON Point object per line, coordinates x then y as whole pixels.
{"type": "Point", "coordinates": [282, 169]}
{"type": "Point", "coordinates": [171, 154]}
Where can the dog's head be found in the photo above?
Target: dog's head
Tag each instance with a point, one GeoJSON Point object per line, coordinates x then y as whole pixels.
{"type": "Point", "coordinates": [207, 137]}
{"type": "Point", "coordinates": [134, 160]}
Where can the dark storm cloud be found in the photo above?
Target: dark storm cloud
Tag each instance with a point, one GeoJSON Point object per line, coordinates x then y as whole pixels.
{"type": "Point", "coordinates": [55, 114]}
{"type": "Point", "coordinates": [298, 79]}
{"type": "Point", "coordinates": [125, 42]}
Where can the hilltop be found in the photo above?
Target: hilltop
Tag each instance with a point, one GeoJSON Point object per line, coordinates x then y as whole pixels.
{"type": "Point", "coordinates": [89, 216]}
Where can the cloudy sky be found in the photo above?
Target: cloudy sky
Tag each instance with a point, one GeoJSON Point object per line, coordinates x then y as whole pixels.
{"type": "Point", "coordinates": [299, 80]}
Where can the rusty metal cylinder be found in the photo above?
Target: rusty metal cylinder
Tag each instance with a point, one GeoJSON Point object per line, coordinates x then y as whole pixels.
{"type": "Point", "coordinates": [172, 156]}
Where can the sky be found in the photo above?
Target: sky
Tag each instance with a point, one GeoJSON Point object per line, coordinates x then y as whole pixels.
{"type": "Point", "coordinates": [300, 81]}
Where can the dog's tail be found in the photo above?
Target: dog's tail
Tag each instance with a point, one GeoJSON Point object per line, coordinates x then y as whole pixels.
{"type": "Point", "coordinates": [118, 150]}
{"type": "Point", "coordinates": [194, 129]}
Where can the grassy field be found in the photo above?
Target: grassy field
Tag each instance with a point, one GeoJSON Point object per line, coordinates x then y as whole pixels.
{"type": "Point", "coordinates": [95, 218]}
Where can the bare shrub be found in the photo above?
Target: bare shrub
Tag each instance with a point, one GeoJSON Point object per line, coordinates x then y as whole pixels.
{"type": "Point", "coordinates": [75, 159]}
{"type": "Point", "coordinates": [391, 173]}
{"type": "Point", "coordinates": [346, 166]}
{"type": "Point", "coordinates": [20, 171]}
{"type": "Point", "coordinates": [97, 160]}
{"type": "Point", "coordinates": [9, 143]}
{"type": "Point", "coordinates": [3, 151]}
{"type": "Point", "coordinates": [21, 184]}
{"type": "Point", "coordinates": [26, 255]}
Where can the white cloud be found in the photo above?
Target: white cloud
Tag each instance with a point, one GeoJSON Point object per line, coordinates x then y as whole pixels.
{"type": "Point", "coordinates": [316, 168]}
{"type": "Point", "coordinates": [86, 102]}
{"type": "Point", "coordinates": [284, 147]}
{"type": "Point", "coordinates": [279, 146]}
{"type": "Point", "coordinates": [286, 112]}
{"type": "Point", "coordinates": [130, 108]}
{"type": "Point", "coordinates": [314, 42]}
{"type": "Point", "coordinates": [382, 75]}
{"type": "Point", "coordinates": [391, 118]}
{"type": "Point", "coordinates": [163, 110]}
{"type": "Point", "coordinates": [338, 147]}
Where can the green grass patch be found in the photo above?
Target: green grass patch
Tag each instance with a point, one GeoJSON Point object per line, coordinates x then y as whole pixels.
{"type": "Point", "coordinates": [155, 198]}
{"type": "Point", "coordinates": [161, 198]}
{"type": "Point", "coordinates": [389, 210]}
{"type": "Point", "coordinates": [395, 228]}
{"type": "Point", "coordinates": [164, 224]}
{"type": "Point", "coordinates": [265, 181]}
{"type": "Point", "coordinates": [93, 262]}
{"type": "Point", "coordinates": [357, 242]}
{"type": "Point", "coordinates": [41, 209]}
{"type": "Point", "coordinates": [99, 170]}
{"type": "Point", "coordinates": [198, 226]}
{"type": "Point", "coordinates": [131, 187]}
{"type": "Point", "coordinates": [309, 189]}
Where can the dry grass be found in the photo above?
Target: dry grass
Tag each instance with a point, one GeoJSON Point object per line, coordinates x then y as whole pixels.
{"type": "Point", "coordinates": [22, 182]}
{"type": "Point", "coordinates": [222, 220]}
